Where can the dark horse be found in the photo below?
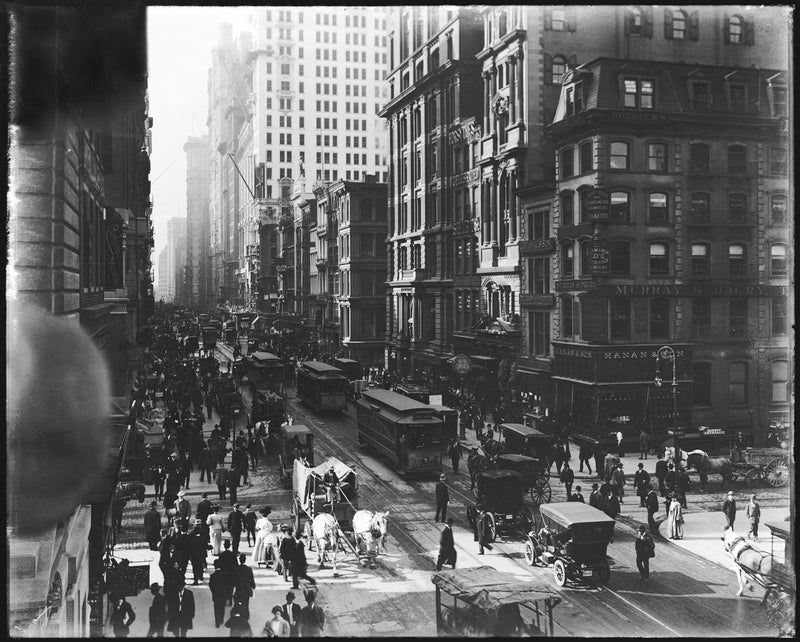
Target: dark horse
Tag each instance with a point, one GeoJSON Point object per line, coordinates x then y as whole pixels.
{"type": "Point", "coordinates": [480, 459]}
{"type": "Point", "coordinates": [556, 454]}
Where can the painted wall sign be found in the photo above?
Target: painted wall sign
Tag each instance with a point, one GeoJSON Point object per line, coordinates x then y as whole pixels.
{"type": "Point", "coordinates": [599, 203]}
{"type": "Point", "coordinates": [689, 290]}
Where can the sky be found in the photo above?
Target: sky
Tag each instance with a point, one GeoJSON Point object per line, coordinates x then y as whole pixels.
{"type": "Point", "coordinates": [179, 44]}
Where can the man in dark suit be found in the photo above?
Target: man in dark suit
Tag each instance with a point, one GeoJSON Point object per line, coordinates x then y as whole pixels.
{"type": "Point", "coordinates": [661, 474]}
{"type": "Point", "coordinates": [235, 524]}
{"type": "Point", "coordinates": [183, 548]}
{"type": "Point", "coordinates": [286, 552]}
{"type": "Point", "coordinates": [221, 479]}
{"type": "Point", "coordinates": [291, 613]}
{"type": "Point", "coordinates": [245, 585]}
{"type": "Point", "coordinates": [447, 547]}
{"type": "Point", "coordinates": [181, 611]}
{"type": "Point", "coordinates": [152, 526]}
{"type": "Point", "coordinates": [234, 481]}
{"type": "Point", "coordinates": [442, 497]}
{"type": "Point", "coordinates": [197, 552]}
{"type": "Point", "coordinates": [158, 612]}
{"type": "Point", "coordinates": [221, 592]}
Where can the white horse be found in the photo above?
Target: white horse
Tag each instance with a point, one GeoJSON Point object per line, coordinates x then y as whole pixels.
{"type": "Point", "coordinates": [745, 556]}
{"type": "Point", "coordinates": [325, 532]}
{"type": "Point", "coordinates": [369, 529]}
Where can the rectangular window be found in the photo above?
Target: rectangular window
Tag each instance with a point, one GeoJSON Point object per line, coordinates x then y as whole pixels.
{"type": "Point", "coordinates": [620, 318]}
{"type": "Point", "coordinates": [586, 157]}
{"type": "Point", "coordinates": [737, 159]}
{"type": "Point", "coordinates": [737, 387]}
{"type": "Point", "coordinates": [780, 316]}
{"type": "Point", "coordinates": [779, 101]}
{"type": "Point", "coordinates": [638, 93]}
{"type": "Point", "coordinates": [567, 163]}
{"type": "Point", "coordinates": [701, 384]}
{"type": "Point", "coordinates": [541, 276]}
{"type": "Point", "coordinates": [777, 206]}
{"type": "Point", "coordinates": [701, 317]}
{"type": "Point", "coordinates": [620, 208]}
{"type": "Point", "coordinates": [659, 318]}
{"type": "Point", "coordinates": [699, 157]}
{"type": "Point", "coordinates": [538, 225]}
{"type": "Point", "coordinates": [700, 207]}
{"type": "Point", "coordinates": [619, 155]}
{"type": "Point", "coordinates": [659, 259]}
{"type": "Point", "coordinates": [657, 157]}
{"type": "Point", "coordinates": [737, 208]}
{"type": "Point", "coordinates": [701, 96]}
{"type": "Point", "coordinates": [701, 262]}
{"type": "Point", "coordinates": [737, 317]}
{"type": "Point", "coordinates": [738, 98]}
{"type": "Point", "coordinates": [658, 210]}
{"type": "Point", "coordinates": [619, 257]}
{"type": "Point", "coordinates": [539, 333]}
{"type": "Point", "coordinates": [777, 160]}
{"type": "Point", "coordinates": [566, 318]}
{"type": "Point", "coordinates": [780, 381]}
{"type": "Point", "coordinates": [567, 209]}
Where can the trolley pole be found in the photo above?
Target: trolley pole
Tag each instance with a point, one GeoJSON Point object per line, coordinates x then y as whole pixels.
{"type": "Point", "coordinates": [667, 352]}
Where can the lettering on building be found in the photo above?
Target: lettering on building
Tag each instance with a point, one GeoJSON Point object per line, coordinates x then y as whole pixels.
{"type": "Point", "coordinates": [576, 284]}
{"type": "Point", "coordinates": [638, 115]}
{"type": "Point", "coordinates": [638, 354]}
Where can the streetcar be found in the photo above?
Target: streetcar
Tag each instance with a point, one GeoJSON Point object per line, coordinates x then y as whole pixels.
{"type": "Point", "coordinates": [264, 369]}
{"type": "Point", "coordinates": [210, 336]}
{"type": "Point", "coordinates": [404, 431]}
{"type": "Point", "coordinates": [322, 386]}
{"type": "Point", "coordinates": [350, 367]}
{"type": "Point", "coordinates": [413, 391]}
{"type": "Point", "coordinates": [449, 418]}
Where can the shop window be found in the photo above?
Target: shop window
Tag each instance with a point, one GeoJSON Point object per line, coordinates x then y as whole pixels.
{"type": "Point", "coordinates": [620, 318]}
{"type": "Point", "coordinates": [658, 210]}
{"type": "Point", "coordinates": [620, 208]}
{"type": "Point", "coordinates": [659, 259]}
{"type": "Point", "coordinates": [701, 258]}
{"type": "Point", "coordinates": [659, 318]}
{"type": "Point", "coordinates": [619, 155]}
{"type": "Point", "coordinates": [701, 384]}
{"type": "Point", "coordinates": [699, 157]}
{"type": "Point", "coordinates": [737, 317]}
{"type": "Point", "coordinates": [586, 157]}
{"type": "Point", "coordinates": [737, 259]}
{"type": "Point", "coordinates": [737, 383]}
{"type": "Point", "coordinates": [777, 208]}
{"type": "Point", "coordinates": [657, 157]}
{"type": "Point", "coordinates": [780, 317]}
{"type": "Point", "coordinates": [619, 257]}
{"type": "Point", "coordinates": [779, 371]}
{"type": "Point", "coordinates": [777, 260]}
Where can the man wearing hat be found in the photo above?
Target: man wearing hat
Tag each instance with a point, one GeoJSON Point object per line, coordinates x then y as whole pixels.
{"type": "Point", "coordinates": [729, 510]}
{"type": "Point", "coordinates": [197, 551]}
{"type": "Point", "coordinates": [221, 479]}
{"type": "Point", "coordinates": [447, 546]}
{"type": "Point", "coordinates": [221, 587]}
{"type": "Point", "coordinates": [651, 501]}
{"type": "Point", "coordinates": [235, 527]}
{"type": "Point", "coordinates": [645, 549]}
{"type": "Point", "coordinates": [618, 481]}
{"type": "Point", "coordinates": [158, 612]}
{"type": "Point", "coordinates": [152, 526]}
{"type": "Point", "coordinates": [181, 611]}
{"type": "Point", "coordinates": [442, 498]}
{"type": "Point", "coordinates": [331, 481]}
{"type": "Point", "coordinates": [641, 479]}
{"type": "Point", "coordinates": [183, 509]}
{"type": "Point", "coordinates": [661, 474]}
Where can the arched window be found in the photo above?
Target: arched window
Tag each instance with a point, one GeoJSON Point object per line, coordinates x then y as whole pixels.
{"type": "Point", "coordinates": [585, 245]}
{"type": "Point", "coordinates": [658, 209]}
{"type": "Point", "coordinates": [779, 372]}
{"type": "Point", "coordinates": [635, 21]}
{"type": "Point", "coordinates": [777, 260]}
{"type": "Point", "coordinates": [737, 259]}
{"type": "Point", "coordinates": [700, 207]}
{"type": "Point", "coordinates": [701, 258]}
{"type": "Point", "coordinates": [737, 159]}
{"type": "Point", "coordinates": [735, 30]}
{"type": "Point", "coordinates": [657, 157]}
{"type": "Point", "coordinates": [659, 259]}
{"type": "Point", "coordinates": [559, 68]}
{"type": "Point", "coordinates": [737, 208]}
{"type": "Point", "coordinates": [567, 163]}
{"type": "Point", "coordinates": [619, 155]}
{"type": "Point", "coordinates": [567, 208]}
{"type": "Point", "coordinates": [678, 25]}
{"type": "Point", "coordinates": [777, 208]}
{"type": "Point", "coordinates": [699, 157]}
{"type": "Point", "coordinates": [620, 208]}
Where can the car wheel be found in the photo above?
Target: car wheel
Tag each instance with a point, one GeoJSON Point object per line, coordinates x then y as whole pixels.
{"type": "Point", "coordinates": [491, 528]}
{"type": "Point", "coordinates": [560, 572]}
{"type": "Point", "coordinates": [530, 553]}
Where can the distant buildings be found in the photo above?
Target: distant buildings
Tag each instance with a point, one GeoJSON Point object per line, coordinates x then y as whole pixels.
{"type": "Point", "coordinates": [197, 238]}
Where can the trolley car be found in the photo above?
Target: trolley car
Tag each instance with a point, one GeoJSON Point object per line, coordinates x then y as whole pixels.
{"type": "Point", "coordinates": [321, 386]}
{"type": "Point", "coordinates": [265, 369]}
{"type": "Point", "coordinates": [404, 431]}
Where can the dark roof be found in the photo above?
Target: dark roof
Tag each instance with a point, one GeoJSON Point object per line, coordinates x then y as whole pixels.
{"type": "Point", "coordinates": [574, 513]}
{"type": "Point", "coordinates": [293, 430]}
{"type": "Point", "coordinates": [397, 401]}
{"type": "Point", "coordinates": [320, 366]}
{"type": "Point", "coordinates": [524, 430]}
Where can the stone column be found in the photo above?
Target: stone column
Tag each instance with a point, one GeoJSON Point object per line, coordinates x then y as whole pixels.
{"type": "Point", "coordinates": [519, 88]}
{"type": "Point", "coordinates": [512, 205]}
{"type": "Point", "coordinates": [493, 210]}
{"type": "Point", "coordinates": [485, 212]}
{"type": "Point", "coordinates": [486, 86]}
{"type": "Point", "coordinates": [492, 92]}
{"type": "Point", "coordinates": [512, 98]}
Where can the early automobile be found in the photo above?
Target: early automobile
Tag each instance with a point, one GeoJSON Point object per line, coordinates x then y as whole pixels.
{"type": "Point", "coordinates": [500, 494]}
{"type": "Point", "coordinates": [572, 537]}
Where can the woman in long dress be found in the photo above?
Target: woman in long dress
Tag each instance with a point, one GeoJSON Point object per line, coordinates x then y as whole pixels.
{"type": "Point", "coordinates": [263, 551]}
{"type": "Point", "coordinates": [675, 519]}
{"type": "Point", "coordinates": [214, 522]}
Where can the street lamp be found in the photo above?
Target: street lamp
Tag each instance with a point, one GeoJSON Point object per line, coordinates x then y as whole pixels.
{"type": "Point", "coordinates": [667, 352]}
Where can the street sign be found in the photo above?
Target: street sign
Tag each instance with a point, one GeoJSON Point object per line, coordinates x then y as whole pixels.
{"type": "Point", "coordinates": [462, 364]}
{"type": "Point", "coordinates": [680, 432]}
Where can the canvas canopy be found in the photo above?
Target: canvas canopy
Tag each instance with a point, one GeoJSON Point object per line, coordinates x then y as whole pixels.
{"type": "Point", "coordinates": [488, 589]}
{"type": "Point", "coordinates": [304, 477]}
{"type": "Point", "coordinates": [568, 513]}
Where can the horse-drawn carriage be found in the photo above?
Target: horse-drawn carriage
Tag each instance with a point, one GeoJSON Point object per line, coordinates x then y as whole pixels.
{"type": "Point", "coordinates": [768, 571]}
{"type": "Point", "coordinates": [573, 539]}
{"type": "Point", "coordinates": [762, 464]}
{"type": "Point", "coordinates": [500, 494]}
{"type": "Point", "coordinates": [296, 444]}
{"type": "Point", "coordinates": [534, 475]}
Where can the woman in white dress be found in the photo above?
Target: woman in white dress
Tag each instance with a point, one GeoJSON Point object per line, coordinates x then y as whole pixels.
{"type": "Point", "coordinates": [215, 523]}
{"type": "Point", "coordinates": [675, 519]}
{"type": "Point", "coordinates": [263, 551]}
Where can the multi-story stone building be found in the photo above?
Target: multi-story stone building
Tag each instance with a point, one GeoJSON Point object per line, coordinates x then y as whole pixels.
{"type": "Point", "coordinates": [177, 233]}
{"type": "Point", "coordinates": [197, 219]}
{"type": "Point", "coordinates": [433, 79]}
{"type": "Point", "coordinates": [673, 222]}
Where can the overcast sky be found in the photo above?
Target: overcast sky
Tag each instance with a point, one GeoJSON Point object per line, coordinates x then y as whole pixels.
{"type": "Point", "coordinates": [179, 43]}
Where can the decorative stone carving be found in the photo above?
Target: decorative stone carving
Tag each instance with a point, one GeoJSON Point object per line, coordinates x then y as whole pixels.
{"type": "Point", "coordinates": [500, 105]}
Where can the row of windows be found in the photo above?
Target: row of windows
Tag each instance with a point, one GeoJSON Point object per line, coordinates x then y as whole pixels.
{"type": "Point", "coordinates": [658, 159]}
{"type": "Point", "coordinates": [659, 261]}
{"type": "Point", "coordinates": [624, 206]}
{"type": "Point", "coordinates": [738, 383]}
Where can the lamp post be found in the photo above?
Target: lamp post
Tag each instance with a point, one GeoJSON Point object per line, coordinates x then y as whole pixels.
{"type": "Point", "coordinates": [667, 352]}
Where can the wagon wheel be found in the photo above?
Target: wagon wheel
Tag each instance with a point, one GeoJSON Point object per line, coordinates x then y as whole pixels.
{"type": "Point", "coordinates": [776, 605]}
{"type": "Point", "coordinates": [560, 572]}
{"type": "Point", "coordinates": [777, 472]}
{"type": "Point", "coordinates": [491, 528]}
{"type": "Point", "coordinates": [471, 516]}
{"type": "Point", "coordinates": [541, 492]}
{"type": "Point", "coordinates": [526, 516]}
{"type": "Point", "coordinates": [531, 554]}
{"type": "Point", "coordinates": [602, 574]}
{"type": "Point", "coordinates": [752, 477]}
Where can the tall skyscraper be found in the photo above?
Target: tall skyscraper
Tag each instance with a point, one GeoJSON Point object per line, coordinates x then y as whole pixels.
{"type": "Point", "coordinates": [197, 179]}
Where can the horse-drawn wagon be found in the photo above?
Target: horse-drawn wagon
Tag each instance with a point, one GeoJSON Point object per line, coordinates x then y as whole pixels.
{"type": "Point", "coordinates": [762, 464]}
{"type": "Point", "coordinates": [296, 444]}
{"type": "Point", "coordinates": [534, 475]}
